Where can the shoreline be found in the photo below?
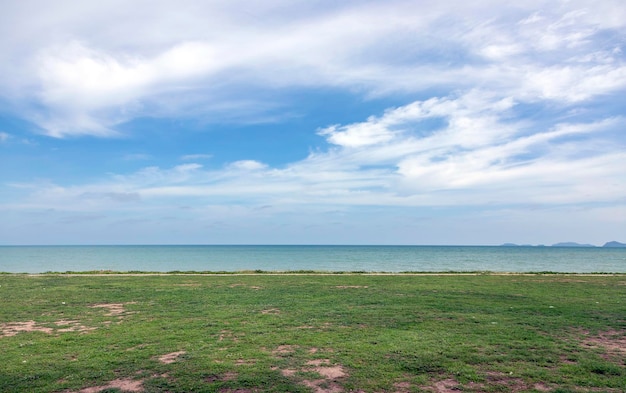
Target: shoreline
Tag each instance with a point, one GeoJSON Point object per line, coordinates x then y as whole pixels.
{"type": "Point", "coordinates": [311, 273]}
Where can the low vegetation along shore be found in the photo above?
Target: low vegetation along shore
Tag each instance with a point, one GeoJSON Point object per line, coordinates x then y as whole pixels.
{"type": "Point", "coordinates": [312, 333]}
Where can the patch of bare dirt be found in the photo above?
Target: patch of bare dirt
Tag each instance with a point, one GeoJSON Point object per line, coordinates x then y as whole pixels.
{"type": "Point", "coordinates": [494, 380]}
{"type": "Point", "coordinates": [402, 387]}
{"type": "Point", "coordinates": [171, 357]}
{"type": "Point", "coordinates": [542, 387]}
{"type": "Point", "coordinates": [125, 385]}
{"type": "Point", "coordinates": [502, 381]}
{"type": "Point", "coordinates": [288, 372]}
{"type": "Point", "coordinates": [446, 386]}
{"type": "Point", "coordinates": [271, 311]}
{"type": "Point", "coordinates": [72, 326]}
{"type": "Point", "coordinates": [330, 372]}
{"type": "Point", "coordinates": [284, 349]}
{"type": "Point", "coordinates": [13, 328]}
{"type": "Point", "coordinates": [323, 386]}
{"type": "Point", "coordinates": [613, 343]}
{"type": "Point", "coordinates": [330, 375]}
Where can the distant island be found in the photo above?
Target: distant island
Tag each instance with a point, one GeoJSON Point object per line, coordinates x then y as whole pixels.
{"type": "Point", "coordinates": [611, 244]}
{"type": "Point", "coordinates": [572, 244]}
{"type": "Point", "coordinates": [614, 244]}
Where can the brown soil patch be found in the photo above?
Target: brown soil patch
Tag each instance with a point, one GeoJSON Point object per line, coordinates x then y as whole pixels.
{"type": "Point", "coordinates": [288, 372]}
{"type": "Point", "coordinates": [330, 372]}
{"type": "Point", "coordinates": [542, 387]}
{"type": "Point", "coordinates": [284, 349]}
{"type": "Point", "coordinates": [72, 326]}
{"type": "Point", "coordinates": [171, 357]}
{"type": "Point", "coordinates": [494, 380]}
{"type": "Point", "coordinates": [125, 385]}
{"type": "Point", "coordinates": [13, 328]}
{"type": "Point", "coordinates": [271, 311]}
{"type": "Point", "coordinates": [613, 342]}
{"type": "Point", "coordinates": [512, 384]}
{"type": "Point", "coordinates": [446, 386]}
{"type": "Point", "coordinates": [402, 387]}
{"type": "Point", "coordinates": [323, 386]}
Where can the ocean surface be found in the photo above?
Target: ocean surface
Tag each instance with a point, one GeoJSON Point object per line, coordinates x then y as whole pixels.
{"type": "Point", "coordinates": [40, 259]}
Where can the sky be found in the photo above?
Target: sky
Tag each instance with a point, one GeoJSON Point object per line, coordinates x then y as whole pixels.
{"type": "Point", "coordinates": [312, 122]}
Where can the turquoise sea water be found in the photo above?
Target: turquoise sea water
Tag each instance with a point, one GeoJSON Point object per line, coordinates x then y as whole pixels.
{"type": "Point", "coordinates": [39, 259]}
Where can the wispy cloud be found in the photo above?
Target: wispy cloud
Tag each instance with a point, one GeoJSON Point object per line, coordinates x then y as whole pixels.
{"type": "Point", "coordinates": [475, 155]}
{"type": "Point", "coordinates": [89, 86]}
{"type": "Point", "coordinates": [195, 157]}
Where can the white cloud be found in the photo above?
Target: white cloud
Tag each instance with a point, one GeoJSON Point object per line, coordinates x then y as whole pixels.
{"type": "Point", "coordinates": [573, 83]}
{"type": "Point", "coordinates": [4, 137]}
{"type": "Point", "coordinates": [247, 165]}
{"type": "Point", "coordinates": [477, 156]}
{"type": "Point", "coordinates": [130, 60]}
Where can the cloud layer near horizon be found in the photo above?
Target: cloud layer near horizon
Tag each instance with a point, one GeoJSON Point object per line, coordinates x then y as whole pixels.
{"type": "Point", "coordinates": [502, 106]}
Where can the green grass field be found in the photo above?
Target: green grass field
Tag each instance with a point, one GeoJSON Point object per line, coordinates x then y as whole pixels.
{"type": "Point", "coordinates": [313, 333]}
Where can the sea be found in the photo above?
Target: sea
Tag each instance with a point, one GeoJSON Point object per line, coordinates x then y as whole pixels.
{"type": "Point", "coordinates": [285, 258]}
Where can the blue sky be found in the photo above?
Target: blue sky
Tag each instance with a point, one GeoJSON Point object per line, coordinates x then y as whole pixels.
{"type": "Point", "coordinates": [312, 122]}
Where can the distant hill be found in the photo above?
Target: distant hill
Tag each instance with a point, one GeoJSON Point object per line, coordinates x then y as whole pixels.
{"type": "Point", "coordinates": [572, 244]}
{"type": "Point", "coordinates": [614, 244]}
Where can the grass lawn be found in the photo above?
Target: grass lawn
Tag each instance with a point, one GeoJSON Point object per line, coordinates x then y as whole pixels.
{"type": "Point", "coordinates": [312, 333]}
